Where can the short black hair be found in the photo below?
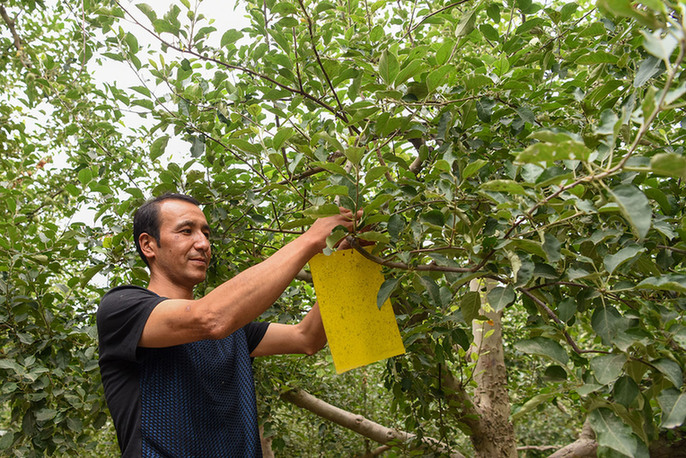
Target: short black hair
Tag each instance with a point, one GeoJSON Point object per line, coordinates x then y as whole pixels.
{"type": "Point", "coordinates": [147, 218]}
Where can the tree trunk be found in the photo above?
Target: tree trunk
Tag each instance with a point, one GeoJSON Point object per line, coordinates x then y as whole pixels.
{"type": "Point", "coordinates": [266, 443]}
{"type": "Point", "coordinates": [496, 436]}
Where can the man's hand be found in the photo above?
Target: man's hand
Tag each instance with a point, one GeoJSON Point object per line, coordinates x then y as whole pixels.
{"type": "Point", "coordinates": [323, 227]}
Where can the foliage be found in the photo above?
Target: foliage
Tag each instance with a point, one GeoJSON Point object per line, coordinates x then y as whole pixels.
{"type": "Point", "coordinates": [56, 134]}
{"type": "Point", "coordinates": [537, 145]}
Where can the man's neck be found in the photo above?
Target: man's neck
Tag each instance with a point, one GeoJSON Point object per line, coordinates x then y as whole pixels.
{"type": "Point", "coordinates": [164, 287]}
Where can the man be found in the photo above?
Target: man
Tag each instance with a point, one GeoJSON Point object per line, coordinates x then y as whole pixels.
{"type": "Point", "coordinates": [177, 370]}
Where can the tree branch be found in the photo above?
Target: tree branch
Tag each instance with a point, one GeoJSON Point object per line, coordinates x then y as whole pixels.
{"type": "Point", "coordinates": [400, 265]}
{"type": "Point", "coordinates": [319, 61]}
{"type": "Point", "coordinates": [584, 447]}
{"type": "Point", "coordinates": [18, 43]}
{"type": "Point", "coordinates": [10, 24]}
{"type": "Point", "coordinates": [254, 73]}
{"type": "Point", "coordinates": [359, 424]}
{"type": "Point", "coordinates": [554, 317]}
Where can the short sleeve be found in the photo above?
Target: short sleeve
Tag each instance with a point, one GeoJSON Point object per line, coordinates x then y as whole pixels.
{"type": "Point", "coordinates": [121, 317]}
{"type": "Point", "coordinates": [254, 332]}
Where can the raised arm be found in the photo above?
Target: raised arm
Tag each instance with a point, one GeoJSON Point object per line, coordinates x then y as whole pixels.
{"type": "Point", "coordinates": [306, 337]}
{"type": "Point", "coordinates": [241, 299]}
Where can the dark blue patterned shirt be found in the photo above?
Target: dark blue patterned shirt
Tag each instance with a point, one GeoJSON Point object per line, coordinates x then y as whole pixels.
{"type": "Point", "coordinates": [191, 400]}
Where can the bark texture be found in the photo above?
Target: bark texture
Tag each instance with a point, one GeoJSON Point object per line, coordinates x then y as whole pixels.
{"type": "Point", "coordinates": [584, 447]}
{"type": "Point", "coordinates": [496, 436]}
{"type": "Point", "coordinates": [266, 443]}
{"type": "Point", "coordinates": [374, 431]}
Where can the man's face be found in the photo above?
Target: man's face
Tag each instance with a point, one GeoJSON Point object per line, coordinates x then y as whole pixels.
{"type": "Point", "coordinates": [184, 252]}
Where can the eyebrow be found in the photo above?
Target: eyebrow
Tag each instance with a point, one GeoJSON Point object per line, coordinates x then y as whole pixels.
{"type": "Point", "coordinates": [191, 223]}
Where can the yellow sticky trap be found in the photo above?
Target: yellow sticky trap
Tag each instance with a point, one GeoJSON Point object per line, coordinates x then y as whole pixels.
{"type": "Point", "coordinates": [359, 333]}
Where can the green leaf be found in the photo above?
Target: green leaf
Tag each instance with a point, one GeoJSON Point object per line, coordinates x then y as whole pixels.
{"type": "Point", "coordinates": [277, 160]}
{"type": "Point", "coordinates": [147, 10]}
{"type": "Point", "coordinates": [608, 368]}
{"type": "Point", "coordinates": [673, 405]}
{"type": "Point", "coordinates": [648, 104]}
{"type": "Point", "coordinates": [374, 173]}
{"type": "Point", "coordinates": [499, 297]}
{"type": "Point", "coordinates": [668, 282]}
{"type": "Point", "coordinates": [438, 77]}
{"type": "Point", "coordinates": [45, 414]}
{"type": "Point", "coordinates": [355, 154]}
{"type": "Point", "coordinates": [85, 176]}
{"type": "Point", "coordinates": [659, 46]}
{"type": "Point", "coordinates": [89, 273]}
{"type": "Point", "coordinates": [395, 225]}
{"type": "Point", "coordinates": [9, 363]}
{"type": "Point", "coordinates": [648, 68]}
{"type": "Point", "coordinates": [388, 66]}
{"type": "Point", "coordinates": [230, 37]}
{"type": "Point", "coordinates": [598, 57]}
{"type": "Point", "coordinates": [281, 136]}
{"type": "Point", "coordinates": [484, 108]}
{"type": "Point", "coordinates": [243, 145]}
{"type": "Point", "coordinates": [434, 218]}
{"type": "Point", "coordinates": [489, 32]}
{"type": "Point", "coordinates": [625, 391]}
{"type": "Point", "coordinates": [322, 211]}
{"type": "Point", "coordinates": [340, 190]}
{"type": "Point", "coordinates": [131, 42]}
{"type": "Point", "coordinates": [611, 432]}
{"type": "Point", "coordinates": [385, 291]}
{"type": "Point", "coordinates": [336, 236]}
{"type": "Point", "coordinates": [506, 186]}
{"type": "Point", "coordinates": [530, 405]}
{"type": "Point", "coordinates": [547, 153]}
{"type": "Point", "coordinates": [470, 304]}
{"type": "Point", "coordinates": [477, 81]}
{"type": "Point", "coordinates": [473, 167]}
{"type": "Point", "coordinates": [612, 261]}
{"type": "Point", "coordinates": [566, 309]}
{"type": "Point", "coordinates": [410, 69]}
{"type": "Point", "coordinates": [6, 440]}
{"type": "Point", "coordinates": [466, 24]}
{"type": "Point", "coordinates": [635, 207]}
{"type": "Point", "coordinates": [543, 346]}
{"type": "Point", "coordinates": [605, 322]}
{"type": "Point", "coordinates": [624, 8]}
{"type": "Point", "coordinates": [669, 164]}
{"type": "Point", "coordinates": [373, 236]}
{"type": "Point", "coordinates": [197, 146]}
{"type": "Point", "coordinates": [328, 139]}
{"type": "Point", "coordinates": [671, 370]}
{"type": "Point", "coordinates": [551, 247]}
{"type": "Point", "coordinates": [554, 373]}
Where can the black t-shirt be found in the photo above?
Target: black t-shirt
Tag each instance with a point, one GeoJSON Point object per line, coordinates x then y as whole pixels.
{"type": "Point", "coordinates": [148, 391]}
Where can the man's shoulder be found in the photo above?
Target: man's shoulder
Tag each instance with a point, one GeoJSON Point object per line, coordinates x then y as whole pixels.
{"type": "Point", "coordinates": [127, 294]}
{"type": "Point", "coordinates": [127, 291]}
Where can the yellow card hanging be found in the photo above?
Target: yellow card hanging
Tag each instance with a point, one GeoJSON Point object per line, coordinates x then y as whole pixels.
{"type": "Point", "coordinates": [359, 333]}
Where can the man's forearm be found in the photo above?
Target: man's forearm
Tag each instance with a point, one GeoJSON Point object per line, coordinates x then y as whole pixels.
{"type": "Point", "coordinates": [243, 298]}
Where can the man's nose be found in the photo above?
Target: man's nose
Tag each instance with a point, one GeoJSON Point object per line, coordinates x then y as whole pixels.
{"type": "Point", "coordinates": [202, 242]}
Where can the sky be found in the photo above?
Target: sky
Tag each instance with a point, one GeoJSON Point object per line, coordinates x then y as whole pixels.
{"type": "Point", "coordinates": [226, 15]}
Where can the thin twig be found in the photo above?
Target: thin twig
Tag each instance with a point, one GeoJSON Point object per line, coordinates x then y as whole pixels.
{"type": "Point", "coordinates": [439, 11]}
{"type": "Point", "coordinates": [239, 68]}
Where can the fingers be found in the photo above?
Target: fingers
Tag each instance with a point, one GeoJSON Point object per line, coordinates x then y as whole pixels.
{"type": "Point", "coordinates": [349, 213]}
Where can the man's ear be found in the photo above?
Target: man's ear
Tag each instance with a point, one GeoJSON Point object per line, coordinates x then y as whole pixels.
{"type": "Point", "coordinates": [148, 245]}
